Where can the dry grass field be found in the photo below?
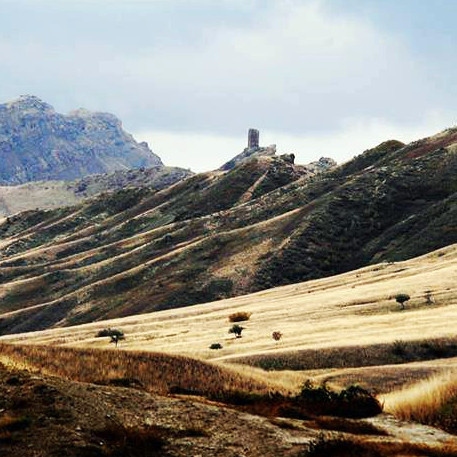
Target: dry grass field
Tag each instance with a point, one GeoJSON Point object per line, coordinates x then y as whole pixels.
{"type": "Point", "coordinates": [342, 330]}
{"type": "Point", "coordinates": [356, 309]}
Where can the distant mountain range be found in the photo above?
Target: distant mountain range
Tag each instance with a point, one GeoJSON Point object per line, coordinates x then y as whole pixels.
{"type": "Point", "coordinates": [38, 144]}
{"type": "Point", "coordinates": [265, 223]}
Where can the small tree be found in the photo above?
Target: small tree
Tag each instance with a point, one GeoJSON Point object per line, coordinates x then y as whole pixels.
{"type": "Point", "coordinates": [402, 299]}
{"type": "Point", "coordinates": [115, 334]}
{"type": "Point", "coordinates": [116, 337]}
{"type": "Point", "coordinates": [237, 330]}
{"type": "Point", "coordinates": [276, 336]}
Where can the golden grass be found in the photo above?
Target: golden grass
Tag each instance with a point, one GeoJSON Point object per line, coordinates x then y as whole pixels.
{"type": "Point", "coordinates": [354, 309]}
{"type": "Point", "coordinates": [423, 401]}
{"type": "Point", "coordinates": [155, 372]}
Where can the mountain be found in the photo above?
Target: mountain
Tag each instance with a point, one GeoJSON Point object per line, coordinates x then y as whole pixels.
{"type": "Point", "coordinates": [38, 144]}
{"type": "Point", "coordinates": [266, 222]}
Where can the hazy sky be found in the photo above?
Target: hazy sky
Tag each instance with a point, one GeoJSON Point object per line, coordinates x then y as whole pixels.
{"type": "Point", "coordinates": [317, 77]}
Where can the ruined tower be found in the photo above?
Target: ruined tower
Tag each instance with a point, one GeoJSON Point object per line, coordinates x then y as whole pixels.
{"type": "Point", "coordinates": [253, 139]}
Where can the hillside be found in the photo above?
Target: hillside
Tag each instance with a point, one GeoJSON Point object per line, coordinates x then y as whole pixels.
{"type": "Point", "coordinates": [320, 320]}
{"type": "Point", "coordinates": [55, 194]}
{"type": "Point", "coordinates": [155, 389]}
{"type": "Point", "coordinates": [265, 223]}
{"type": "Point", "coordinates": [39, 144]}
{"type": "Point", "coordinates": [122, 417]}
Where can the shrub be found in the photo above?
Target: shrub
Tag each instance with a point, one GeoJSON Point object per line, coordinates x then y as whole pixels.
{"type": "Point", "coordinates": [216, 346]}
{"type": "Point", "coordinates": [109, 332]}
{"type": "Point", "coordinates": [399, 348]}
{"type": "Point", "coordinates": [115, 334]}
{"type": "Point", "coordinates": [353, 402]}
{"type": "Point", "coordinates": [240, 316]}
{"type": "Point", "coordinates": [276, 336]}
{"type": "Point", "coordinates": [401, 299]}
{"type": "Point", "coordinates": [236, 329]}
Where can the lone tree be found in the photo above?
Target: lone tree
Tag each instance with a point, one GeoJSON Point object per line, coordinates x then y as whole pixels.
{"type": "Point", "coordinates": [402, 299]}
{"type": "Point", "coordinates": [115, 334]}
{"type": "Point", "coordinates": [237, 330]}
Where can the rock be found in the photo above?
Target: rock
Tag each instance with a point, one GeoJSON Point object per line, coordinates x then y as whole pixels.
{"type": "Point", "coordinates": [323, 164]}
{"type": "Point", "coordinates": [290, 158]}
{"type": "Point", "coordinates": [37, 143]}
{"type": "Point", "coordinates": [248, 154]}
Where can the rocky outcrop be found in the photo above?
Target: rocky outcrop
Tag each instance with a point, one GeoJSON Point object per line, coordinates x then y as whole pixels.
{"type": "Point", "coordinates": [322, 165]}
{"type": "Point", "coordinates": [37, 143]}
{"type": "Point", "coordinates": [254, 150]}
{"type": "Point", "coordinates": [249, 153]}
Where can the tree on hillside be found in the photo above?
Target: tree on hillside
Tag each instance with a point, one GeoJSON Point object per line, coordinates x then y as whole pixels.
{"type": "Point", "coordinates": [237, 330]}
{"type": "Point", "coordinates": [114, 334]}
{"type": "Point", "coordinates": [401, 299]}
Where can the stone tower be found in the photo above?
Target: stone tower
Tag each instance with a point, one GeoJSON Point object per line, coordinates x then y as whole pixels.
{"type": "Point", "coordinates": [253, 139]}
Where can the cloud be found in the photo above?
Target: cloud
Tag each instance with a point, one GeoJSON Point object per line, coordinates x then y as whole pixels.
{"type": "Point", "coordinates": [292, 66]}
{"type": "Point", "coordinates": [199, 73]}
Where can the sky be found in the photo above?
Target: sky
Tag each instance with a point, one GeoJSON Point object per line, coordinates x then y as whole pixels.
{"type": "Point", "coordinates": [316, 77]}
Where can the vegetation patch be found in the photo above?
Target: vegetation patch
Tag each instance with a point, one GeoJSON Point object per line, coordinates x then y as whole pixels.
{"type": "Point", "coordinates": [240, 316]}
{"type": "Point", "coordinates": [356, 356]}
{"type": "Point", "coordinates": [353, 402]}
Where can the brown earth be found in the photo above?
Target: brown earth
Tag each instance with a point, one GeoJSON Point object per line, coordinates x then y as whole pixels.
{"type": "Point", "coordinates": [48, 416]}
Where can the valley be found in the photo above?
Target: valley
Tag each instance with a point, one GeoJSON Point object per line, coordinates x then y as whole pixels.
{"type": "Point", "coordinates": [263, 308]}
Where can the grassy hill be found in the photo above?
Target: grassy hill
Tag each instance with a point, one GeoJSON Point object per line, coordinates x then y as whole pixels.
{"type": "Point", "coordinates": [319, 320]}
{"type": "Point", "coordinates": [215, 235]}
{"type": "Point", "coordinates": [340, 331]}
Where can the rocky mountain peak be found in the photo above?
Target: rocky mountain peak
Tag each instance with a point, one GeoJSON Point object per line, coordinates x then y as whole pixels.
{"type": "Point", "coordinates": [37, 143]}
{"type": "Point", "coordinates": [27, 103]}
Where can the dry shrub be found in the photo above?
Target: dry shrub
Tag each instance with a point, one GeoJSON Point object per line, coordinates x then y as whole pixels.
{"type": "Point", "coordinates": [276, 336]}
{"type": "Point", "coordinates": [431, 401]}
{"type": "Point", "coordinates": [311, 402]}
{"type": "Point", "coordinates": [240, 316]}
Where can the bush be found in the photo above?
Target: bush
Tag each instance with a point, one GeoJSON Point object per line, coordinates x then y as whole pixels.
{"type": "Point", "coordinates": [110, 332]}
{"type": "Point", "coordinates": [115, 335]}
{"type": "Point", "coordinates": [276, 336]}
{"type": "Point", "coordinates": [399, 348]}
{"type": "Point", "coordinates": [236, 329]}
{"type": "Point", "coordinates": [216, 346]}
{"type": "Point", "coordinates": [353, 402]}
{"type": "Point", "coordinates": [240, 316]}
{"type": "Point", "coordinates": [401, 299]}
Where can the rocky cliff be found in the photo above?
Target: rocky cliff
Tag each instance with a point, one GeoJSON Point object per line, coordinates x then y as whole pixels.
{"type": "Point", "coordinates": [37, 143]}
